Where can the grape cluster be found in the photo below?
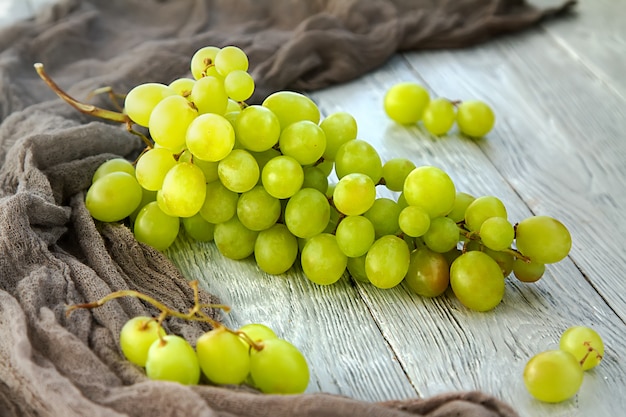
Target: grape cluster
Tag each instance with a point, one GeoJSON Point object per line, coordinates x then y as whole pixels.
{"type": "Point", "coordinates": [253, 355]}
{"type": "Point", "coordinates": [408, 103]}
{"type": "Point", "coordinates": [556, 375]}
{"type": "Point", "coordinates": [256, 180]}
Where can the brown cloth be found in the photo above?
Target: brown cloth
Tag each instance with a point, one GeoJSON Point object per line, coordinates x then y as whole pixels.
{"type": "Point", "coordinates": [51, 251]}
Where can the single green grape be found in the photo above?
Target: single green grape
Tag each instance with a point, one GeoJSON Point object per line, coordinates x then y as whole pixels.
{"type": "Point", "coordinates": [304, 140]}
{"type": "Point", "coordinates": [234, 240]}
{"type": "Point", "coordinates": [292, 107]}
{"type": "Point", "coordinates": [169, 121]}
{"type": "Point", "coordinates": [230, 58]}
{"type": "Point", "coordinates": [222, 357]}
{"type": "Point", "coordinates": [585, 344]}
{"type": "Point", "coordinates": [442, 235]}
{"type": "Point", "coordinates": [220, 203]}
{"type": "Point", "coordinates": [315, 178]}
{"type": "Point", "coordinates": [384, 215]}
{"type": "Point", "coordinates": [182, 86]}
{"type": "Point", "coordinates": [152, 167]}
{"type": "Point", "coordinates": [198, 228]}
{"type": "Point", "coordinates": [553, 376]}
{"type": "Point", "coordinates": [543, 239]}
{"type": "Point", "coordinates": [475, 118]}
{"type": "Point", "coordinates": [142, 99]}
{"type": "Point", "coordinates": [209, 95]}
{"type": "Point", "coordinates": [482, 208]}
{"type": "Point", "coordinates": [183, 190]}
{"type": "Point", "coordinates": [239, 171]}
{"type": "Point", "coordinates": [239, 85]}
{"type": "Point", "coordinates": [136, 337]}
{"type": "Point", "coordinates": [279, 368]}
{"type": "Point", "coordinates": [322, 260]}
{"type": "Point", "coordinates": [275, 249]}
{"type": "Point", "coordinates": [172, 358]}
{"type": "Point", "coordinates": [405, 102]}
{"type": "Point", "coordinates": [203, 62]}
{"type": "Point", "coordinates": [461, 202]}
{"type": "Point", "coordinates": [431, 189]}
{"type": "Point", "coordinates": [257, 332]}
{"type": "Point", "coordinates": [439, 116]}
{"type": "Point", "coordinates": [356, 268]}
{"type": "Point", "coordinates": [113, 165]}
{"type": "Point", "coordinates": [355, 235]}
{"type": "Point", "coordinates": [282, 176]}
{"type": "Point", "coordinates": [528, 271]}
{"type": "Point", "coordinates": [428, 274]}
{"type": "Point", "coordinates": [307, 213]}
{"type": "Point", "coordinates": [113, 197]}
{"type": "Point", "coordinates": [339, 128]}
{"type": "Point", "coordinates": [477, 281]}
{"type": "Point", "coordinates": [155, 228]}
{"type": "Point", "coordinates": [413, 221]}
{"type": "Point", "coordinates": [358, 156]}
{"type": "Point", "coordinates": [257, 210]}
{"type": "Point", "coordinates": [210, 137]}
{"type": "Point", "coordinates": [354, 194]}
{"type": "Point", "coordinates": [258, 128]}
{"type": "Point", "coordinates": [497, 233]}
{"type": "Point", "coordinates": [395, 172]}
{"type": "Point", "coordinates": [387, 261]}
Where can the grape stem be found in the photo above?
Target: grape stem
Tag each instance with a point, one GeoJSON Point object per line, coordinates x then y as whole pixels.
{"type": "Point", "coordinates": [590, 349]}
{"type": "Point", "coordinates": [90, 109]}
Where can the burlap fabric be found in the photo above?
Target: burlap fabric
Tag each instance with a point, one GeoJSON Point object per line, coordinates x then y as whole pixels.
{"type": "Point", "coordinates": [53, 254]}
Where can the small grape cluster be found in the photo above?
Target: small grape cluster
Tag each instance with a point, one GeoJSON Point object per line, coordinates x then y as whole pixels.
{"type": "Point", "coordinates": [253, 355]}
{"type": "Point", "coordinates": [556, 375]}
{"type": "Point", "coordinates": [256, 180]}
{"type": "Point", "coordinates": [408, 103]}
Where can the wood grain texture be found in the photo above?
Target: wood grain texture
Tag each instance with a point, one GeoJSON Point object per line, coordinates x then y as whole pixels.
{"type": "Point", "coordinates": [558, 149]}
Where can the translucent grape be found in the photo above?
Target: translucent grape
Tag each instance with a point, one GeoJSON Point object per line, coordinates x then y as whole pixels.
{"type": "Point", "coordinates": [230, 58]}
{"type": "Point", "coordinates": [239, 171]}
{"type": "Point", "coordinates": [198, 228]}
{"type": "Point", "coordinates": [477, 281]}
{"type": "Point", "coordinates": [257, 332]}
{"type": "Point", "coordinates": [305, 141]}
{"type": "Point", "coordinates": [585, 344]}
{"type": "Point", "coordinates": [428, 274]}
{"type": "Point", "coordinates": [307, 213]}
{"type": "Point", "coordinates": [497, 233]}
{"type": "Point", "coordinates": [543, 239]}
{"type": "Point", "coordinates": [152, 167]}
{"type": "Point", "coordinates": [461, 202]}
{"type": "Point", "coordinates": [113, 197]}
{"type": "Point", "coordinates": [395, 172]}
{"type": "Point", "coordinates": [339, 128]}
{"type": "Point", "coordinates": [315, 178]}
{"type": "Point", "coordinates": [528, 271]}
{"type": "Point", "coordinates": [183, 190]}
{"type": "Point", "coordinates": [203, 62]}
{"type": "Point", "coordinates": [384, 215]}
{"type": "Point", "coordinates": [439, 116]}
{"type": "Point", "coordinates": [405, 102]}
{"type": "Point", "coordinates": [282, 176]}
{"type": "Point", "coordinates": [210, 137]}
{"type": "Point", "coordinates": [113, 165]}
{"type": "Point", "coordinates": [292, 107]}
{"type": "Point", "coordinates": [553, 376]}
{"type": "Point", "coordinates": [173, 359]}
{"type": "Point", "coordinates": [413, 221]}
{"type": "Point", "coordinates": [182, 86]}
{"type": "Point", "coordinates": [279, 368]}
{"type": "Point", "coordinates": [355, 235]}
{"type": "Point", "coordinates": [322, 260]}
{"type": "Point", "coordinates": [220, 203]}
{"type": "Point", "coordinates": [358, 156]}
{"type": "Point", "coordinates": [142, 99]}
{"type": "Point", "coordinates": [258, 128]}
{"type": "Point", "coordinates": [155, 228]}
{"type": "Point", "coordinates": [209, 95]}
{"type": "Point", "coordinates": [387, 261]}
{"type": "Point", "coordinates": [257, 210]}
{"type": "Point", "coordinates": [169, 121]}
{"type": "Point", "coordinates": [431, 189]}
{"type": "Point", "coordinates": [475, 118]}
{"type": "Point", "coordinates": [234, 240]}
{"type": "Point", "coordinates": [222, 357]}
{"type": "Point", "coordinates": [354, 194]}
{"type": "Point", "coordinates": [442, 235]}
{"type": "Point", "coordinates": [239, 85]}
{"type": "Point", "coordinates": [275, 249]}
{"type": "Point", "coordinates": [481, 209]}
{"type": "Point", "coordinates": [136, 337]}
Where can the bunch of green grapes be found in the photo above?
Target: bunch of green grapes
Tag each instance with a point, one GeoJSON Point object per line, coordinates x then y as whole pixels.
{"type": "Point", "coordinates": [556, 375]}
{"type": "Point", "coordinates": [408, 103]}
{"type": "Point", "coordinates": [256, 180]}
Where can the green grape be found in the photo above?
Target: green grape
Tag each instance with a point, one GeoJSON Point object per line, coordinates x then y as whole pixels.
{"type": "Point", "coordinates": [475, 118]}
{"type": "Point", "coordinates": [142, 99]}
{"type": "Point", "coordinates": [355, 235]}
{"type": "Point", "coordinates": [169, 121]}
{"type": "Point", "coordinates": [292, 107]}
{"type": "Point", "coordinates": [209, 95]}
{"type": "Point", "coordinates": [282, 176]}
{"type": "Point", "coordinates": [258, 128]}
{"type": "Point", "coordinates": [322, 260]}
{"type": "Point", "coordinates": [239, 85]}
{"type": "Point", "coordinates": [356, 268]}
{"type": "Point", "coordinates": [264, 157]}
{"type": "Point", "coordinates": [543, 239]}
{"type": "Point", "coordinates": [405, 102]}
{"type": "Point", "coordinates": [113, 165]}
{"type": "Point", "coordinates": [339, 128]}
{"type": "Point", "coordinates": [208, 168]}
{"type": "Point", "coordinates": [307, 213]}
{"type": "Point", "coordinates": [387, 261]}
{"type": "Point", "coordinates": [384, 215]}
{"type": "Point", "coordinates": [233, 106]}
{"type": "Point", "coordinates": [203, 62]}
{"type": "Point", "coordinates": [198, 228]}
{"type": "Point", "coordinates": [275, 249]}
{"type": "Point", "coordinates": [461, 202]}
{"type": "Point", "coordinates": [257, 210]}
{"type": "Point", "coordinates": [553, 376]}
{"type": "Point", "coordinates": [431, 189]}
{"type": "Point", "coordinates": [477, 281]}
{"type": "Point", "coordinates": [239, 171]}
{"type": "Point", "coordinates": [136, 337]}
{"type": "Point", "coordinates": [497, 233]}
{"type": "Point", "coordinates": [481, 209]}
{"type": "Point", "coordinates": [442, 235]}
{"type": "Point", "coordinates": [333, 221]}
{"type": "Point", "coordinates": [326, 166]}
{"type": "Point", "coordinates": [395, 172]}
{"type": "Point", "coordinates": [183, 190]}
{"type": "Point", "coordinates": [413, 221]}
{"type": "Point", "coordinates": [585, 344]}
{"type": "Point", "coordinates": [173, 359]}
{"type": "Point", "coordinates": [210, 137]}
{"type": "Point", "coordinates": [504, 259]}
{"type": "Point", "coordinates": [304, 141]}
{"type": "Point", "coordinates": [234, 240]}
{"type": "Point", "coordinates": [183, 86]}
{"type": "Point", "coordinates": [161, 203]}
{"type": "Point", "coordinates": [113, 197]}
{"type": "Point", "coordinates": [428, 274]}
{"type": "Point", "coordinates": [152, 167]}
{"type": "Point", "coordinates": [229, 59]}
{"type": "Point", "coordinates": [155, 228]}
{"type": "Point", "coordinates": [358, 156]}
{"type": "Point", "coordinates": [528, 271]}
{"type": "Point", "coordinates": [354, 194]}
{"type": "Point", "coordinates": [220, 203]}
{"type": "Point", "coordinates": [439, 116]}
{"type": "Point", "coordinates": [257, 332]}
{"type": "Point", "coordinates": [147, 196]}
{"type": "Point", "coordinates": [222, 357]}
{"type": "Point", "coordinates": [315, 178]}
{"type": "Point", "coordinates": [279, 368]}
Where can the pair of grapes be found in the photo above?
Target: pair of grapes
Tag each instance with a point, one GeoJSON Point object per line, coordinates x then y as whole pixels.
{"type": "Point", "coordinates": [408, 102]}
{"type": "Point", "coordinates": [556, 375]}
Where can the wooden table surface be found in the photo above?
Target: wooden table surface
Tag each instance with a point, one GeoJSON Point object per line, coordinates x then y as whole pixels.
{"type": "Point", "coordinates": [558, 149]}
